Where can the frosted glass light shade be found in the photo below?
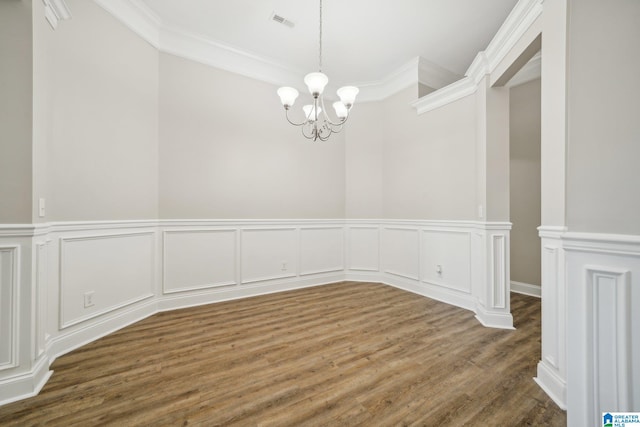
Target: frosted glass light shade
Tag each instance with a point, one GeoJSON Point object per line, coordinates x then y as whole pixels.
{"type": "Point", "coordinates": [316, 82]}
{"type": "Point", "coordinates": [341, 110]}
{"type": "Point", "coordinates": [348, 94]}
{"type": "Point", "coordinates": [287, 96]}
{"type": "Point", "coordinates": [310, 112]}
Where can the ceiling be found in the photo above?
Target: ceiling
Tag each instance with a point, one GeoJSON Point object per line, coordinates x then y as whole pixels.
{"type": "Point", "coordinates": [364, 41]}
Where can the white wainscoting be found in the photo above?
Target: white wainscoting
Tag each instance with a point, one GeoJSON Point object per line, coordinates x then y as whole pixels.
{"type": "Point", "coordinates": [41, 282]}
{"type": "Point", "coordinates": [446, 259]}
{"type": "Point", "coordinates": [9, 296]}
{"type": "Point", "coordinates": [401, 251]}
{"type": "Point", "coordinates": [493, 307]}
{"type": "Point", "coordinates": [603, 325]}
{"type": "Point", "coordinates": [134, 269]}
{"type": "Point", "coordinates": [363, 248]}
{"type": "Point", "coordinates": [116, 269]}
{"type": "Point", "coordinates": [269, 254]}
{"type": "Point", "coordinates": [443, 260]}
{"type": "Point", "coordinates": [321, 250]}
{"type": "Point", "coordinates": [196, 259]}
{"type": "Point", "coordinates": [552, 368]}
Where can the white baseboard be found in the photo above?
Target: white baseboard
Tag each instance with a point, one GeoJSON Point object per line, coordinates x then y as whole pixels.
{"type": "Point", "coordinates": [438, 293]}
{"type": "Point", "coordinates": [553, 385]}
{"type": "Point", "coordinates": [25, 385]}
{"type": "Point", "coordinates": [526, 289]}
{"type": "Point", "coordinates": [96, 329]}
{"type": "Point", "coordinates": [174, 302]}
{"type": "Point", "coordinates": [494, 320]}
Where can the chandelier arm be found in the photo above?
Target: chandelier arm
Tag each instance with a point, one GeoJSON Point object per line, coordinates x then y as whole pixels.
{"type": "Point", "coordinates": [286, 113]}
{"type": "Point", "coordinates": [327, 135]}
{"type": "Point", "coordinates": [326, 114]}
{"type": "Point", "coordinates": [309, 136]}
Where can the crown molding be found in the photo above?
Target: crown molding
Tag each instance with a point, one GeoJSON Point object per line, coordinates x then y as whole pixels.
{"type": "Point", "coordinates": [139, 18]}
{"type": "Point", "coordinates": [400, 79]}
{"type": "Point", "coordinates": [519, 20]}
{"type": "Point", "coordinates": [417, 70]}
{"type": "Point", "coordinates": [446, 95]}
{"type": "Point", "coordinates": [55, 11]}
{"type": "Point", "coordinates": [200, 49]}
{"type": "Point", "coordinates": [435, 76]}
{"type": "Point", "coordinates": [517, 23]}
{"type": "Point", "coordinates": [135, 15]}
{"type": "Point", "coordinates": [478, 68]}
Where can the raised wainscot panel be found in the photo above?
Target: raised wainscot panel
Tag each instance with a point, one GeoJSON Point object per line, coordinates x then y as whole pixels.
{"type": "Point", "coordinates": [364, 252]}
{"type": "Point", "coordinates": [198, 259]}
{"type": "Point", "coordinates": [401, 252]}
{"type": "Point", "coordinates": [42, 271]}
{"type": "Point", "coordinates": [321, 250]}
{"type": "Point", "coordinates": [8, 306]}
{"type": "Point", "coordinates": [99, 274]}
{"type": "Point", "coordinates": [446, 259]}
{"type": "Point", "coordinates": [609, 313]}
{"type": "Point", "coordinates": [269, 253]}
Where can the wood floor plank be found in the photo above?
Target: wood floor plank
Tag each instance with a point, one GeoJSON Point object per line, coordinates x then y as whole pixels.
{"type": "Point", "coordinates": [343, 354]}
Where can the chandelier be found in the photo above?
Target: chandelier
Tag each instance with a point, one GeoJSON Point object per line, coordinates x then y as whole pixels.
{"type": "Point", "coordinates": [317, 124]}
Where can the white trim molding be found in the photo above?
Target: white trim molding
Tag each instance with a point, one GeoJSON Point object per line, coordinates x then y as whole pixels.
{"type": "Point", "coordinates": [526, 289]}
{"type": "Point", "coordinates": [603, 340]}
{"type": "Point", "coordinates": [493, 306]}
{"type": "Point", "coordinates": [552, 368]}
{"type": "Point", "coordinates": [523, 15]}
{"type": "Point", "coordinates": [589, 296]}
{"type": "Point", "coordinates": [9, 305]}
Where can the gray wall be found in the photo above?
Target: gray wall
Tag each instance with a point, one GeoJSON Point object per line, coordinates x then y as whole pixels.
{"type": "Point", "coordinates": [524, 126]}
{"type": "Point", "coordinates": [365, 137]}
{"type": "Point", "coordinates": [227, 151]}
{"type": "Point", "coordinates": [603, 191]}
{"type": "Point", "coordinates": [429, 160]}
{"type": "Point", "coordinates": [15, 111]}
{"type": "Point", "coordinates": [401, 165]}
{"type": "Point", "coordinates": [102, 106]}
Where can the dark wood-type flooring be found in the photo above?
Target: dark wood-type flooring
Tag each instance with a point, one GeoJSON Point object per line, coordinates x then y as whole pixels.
{"type": "Point", "coordinates": [342, 354]}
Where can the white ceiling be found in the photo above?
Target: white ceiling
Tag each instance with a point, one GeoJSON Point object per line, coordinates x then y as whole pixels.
{"type": "Point", "coordinates": [364, 41]}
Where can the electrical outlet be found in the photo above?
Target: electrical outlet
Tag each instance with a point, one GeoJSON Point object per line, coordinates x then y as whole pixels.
{"type": "Point", "coordinates": [88, 299]}
{"type": "Point", "coordinates": [284, 266]}
{"type": "Point", "coordinates": [439, 269]}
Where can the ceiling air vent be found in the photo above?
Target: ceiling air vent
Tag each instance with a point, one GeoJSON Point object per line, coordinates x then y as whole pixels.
{"type": "Point", "coordinates": [282, 20]}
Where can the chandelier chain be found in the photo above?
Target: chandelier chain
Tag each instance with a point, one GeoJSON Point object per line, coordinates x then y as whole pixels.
{"type": "Point", "coordinates": [320, 49]}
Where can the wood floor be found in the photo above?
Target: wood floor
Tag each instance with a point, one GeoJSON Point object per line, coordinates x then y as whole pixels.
{"type": "Point", "coordinates": [341, 354]}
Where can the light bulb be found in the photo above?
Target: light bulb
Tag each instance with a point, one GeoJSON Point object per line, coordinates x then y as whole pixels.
{"type": "Point", "coordinates": [316, 83]}
{"type": "Point", "coordinates": [341, 110]}
{"type": "Point", "coordinates": [347, 95]}
{"type": "Point", "coordinates": [287, 96]}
